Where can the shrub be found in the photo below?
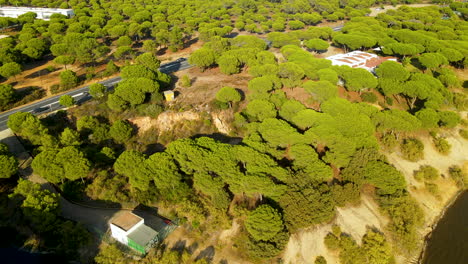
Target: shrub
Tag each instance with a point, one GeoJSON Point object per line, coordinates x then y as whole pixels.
{"type": "Point", "coordinates": [55, 88]}
{"type": "Point", "coordinates": [346, 194]}
{"type": "Point", "coordinates": [463, 133]}
{"type": "Point", "coordinates": [320, 260]}
{"type": "Point", "coordinates": [412, 149]}
{"type": "Point", "coordinates": [426, 172]}
{"type": "Point", "coordinates": [389, 141]}
{"type": "Point", "coordinates": [432, 188]}
{"type": "Point", "coordinates": [457, 174]}
{"type": "Point", "coordinates": [185, 81]}
{"type": "Point", "coordinates": [389, 100]}
{"type": "Point", "coordinates": [369, 97]}
{"type": "Point", "coordinates": [442, 145]}
{"type": "Point", "coordinates": [332, 242]}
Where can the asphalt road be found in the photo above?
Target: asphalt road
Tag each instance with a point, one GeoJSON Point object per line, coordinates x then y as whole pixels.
{"type": "Point", "coordinates": [80, 95]}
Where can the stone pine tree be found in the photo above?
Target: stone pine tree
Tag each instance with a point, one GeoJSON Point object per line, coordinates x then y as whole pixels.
{"type": "Point", "coordinates": [228, 95]}
{"type": "Point", "coordinates": [66, 100]}
{"type": "Point", "coordinates": [10, 69]}
{"type": "Point", "coordinates": [97, 90]}
{"type": "Point", "coordinates": [8, 163]}
{"type": "Point", "coordinates": [264, 223]}
{"type": "Point", "coordinates": [7, 95]}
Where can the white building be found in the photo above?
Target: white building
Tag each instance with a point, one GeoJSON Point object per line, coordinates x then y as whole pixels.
{"type": "Point", "coordinates": [42, 13]}
{"type": "Point", "coordinates": [130, 230]}
{"type": "Point", "coordinates": [359, 59]}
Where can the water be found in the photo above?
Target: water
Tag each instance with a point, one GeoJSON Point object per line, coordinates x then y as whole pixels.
{"type": "Point", "coordinates": [449, 241]}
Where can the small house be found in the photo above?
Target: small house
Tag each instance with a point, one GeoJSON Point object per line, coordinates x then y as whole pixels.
{"type": "Point", "coordinates": [130, 230]}
{"type": "Point", "coordinates": [169, 95]}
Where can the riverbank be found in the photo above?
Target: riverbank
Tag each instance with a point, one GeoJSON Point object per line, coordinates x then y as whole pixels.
{"type": "Point", "coordinates": [427, 237]}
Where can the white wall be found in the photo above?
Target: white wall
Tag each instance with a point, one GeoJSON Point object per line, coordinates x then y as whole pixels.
{"type": "Point", "coordinates": [119, 234]}
{"type": "Point", "coordinates": [42, 13]}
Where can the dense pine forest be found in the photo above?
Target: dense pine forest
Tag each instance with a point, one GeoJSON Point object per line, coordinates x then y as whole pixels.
{"type": "Point", "coordinates": [303, 137]}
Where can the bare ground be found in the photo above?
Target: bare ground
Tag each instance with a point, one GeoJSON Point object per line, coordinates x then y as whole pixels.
{"type": "Point", "coordinates": [377, 10]}
{"type": "Point", "coordinates": [304, 246]}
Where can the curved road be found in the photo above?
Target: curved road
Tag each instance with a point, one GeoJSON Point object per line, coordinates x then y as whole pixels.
{"type": "Point", "coordinates": [81, 95]}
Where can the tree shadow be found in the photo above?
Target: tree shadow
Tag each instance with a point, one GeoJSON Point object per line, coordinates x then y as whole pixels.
{"type": "Point", "coordinates": [179, 246]}
{"type": "Point", "coordinates": [232, 35]}
{"type": "Point", "coordinates": [415, 62]}
{"type": "Point", "coordinates": [190, 43]}
{"type": "Point", "coordinates": [221, 138]}
{"type": "Point", "coordinates": [38, 73]}
{"type": "Point", "coordinates": [208, 254]}
{"type": "Point", "coordinates": [154, 148]}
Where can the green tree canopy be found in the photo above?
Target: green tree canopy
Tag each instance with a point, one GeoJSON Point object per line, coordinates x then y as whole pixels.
{"type": "Point", "coordinates": [66, 100]}
{"type": "Point", "coordinates": [392, 70]}
{"type": "Point", "coordinates": [131, 164]}
{"type": "Point", "coordinates": [10, 69]}
{"type": "Point", "coordinates": [321, 90]}
{"type": "Point", "coordinates": [228, 95]}
{"type": "Point", "coordinates": [70, 137]}
{"type": "Point", "coordinates": [121, 131]}
{"type": "Point", "coordinates": [7, 95]}
{"type": "Point", "coordinates": [316, 44]}
{"type": "Point", "coordinates": [68, 79]}
{"type": "Point", "coordinates": [149, 61]}
{"type": "Point", "coordinates": [260, 109]}
{"type": "Point", "coordinates": [97, 90]}
{"type": "Point", "coordinates": [8, 163]}
{"type": "Point", "coordinates": [264, 223]}
{"type": "Point", "coordinates": [203, 58]}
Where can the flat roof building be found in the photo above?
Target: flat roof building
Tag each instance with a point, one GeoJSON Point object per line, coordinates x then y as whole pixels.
{"type": "Point", "coordinates": [42, 13]}
{"type": "Point", "coordinates": [359, 59]}
{"type": "Point", "coordinates": [130, 230]}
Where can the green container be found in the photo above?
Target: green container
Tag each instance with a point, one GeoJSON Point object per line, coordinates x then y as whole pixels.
{"type": "Point", "coordinates": [136, 247]}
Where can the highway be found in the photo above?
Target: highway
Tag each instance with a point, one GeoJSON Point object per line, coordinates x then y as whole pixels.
{"type": "Point", "coordinates": [80, 95]}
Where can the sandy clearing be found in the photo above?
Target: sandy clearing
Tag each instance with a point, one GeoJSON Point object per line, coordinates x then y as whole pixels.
{"type": "Point", "coordinates": [458, 156]}
{"type": "Point", "coordinates": [306, 245]}
{"type": "Point", "coordinates": [377, 10]}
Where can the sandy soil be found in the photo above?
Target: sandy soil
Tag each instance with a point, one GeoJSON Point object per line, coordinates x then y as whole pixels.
{"type": "Point", "coordinates": [330, 52]}
{"type": "Point", "coordinates": [377, 10]}
{"type": "Point", "coordinates": [458, 156]}
{"type": "Point", "coordinates": [206, 84]}
{"type": "Point", "coordinates": [306, 245]}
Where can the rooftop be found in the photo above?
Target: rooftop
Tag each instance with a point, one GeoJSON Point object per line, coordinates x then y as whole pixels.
{"type": "Point", "coordinates": [126, 220]}
{"type": "Point", "coordinates": [359, 59]}
{"type": "Point", "coordinates": [142, 235]}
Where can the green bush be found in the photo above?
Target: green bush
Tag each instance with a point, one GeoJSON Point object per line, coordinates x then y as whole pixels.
{"type": "Point", "coordinates": [389, 100]}
{"type": "Point", "coordinates": [463, 133]}
{"type": "Point", "coordinates": [432, 188]}
{"type": "Point", "coordinates": [442, 145]}
{"type": "Point", "coordinates": [320, 260]}
{"type": "Point", "coordinates": [426, 172]}
{"type": "Point", "coordinates": [369, 97]}
{"type": "Point", "coordinates": [460, 177]}
{"type": "Point", "coordinates": [55, 88]}
{"type": "Point", "coordinates": [389, 141]}
{"type": "Point", "coordinates": [332, 242]}
{"type": "Point", "coordinates": [412, 149]}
